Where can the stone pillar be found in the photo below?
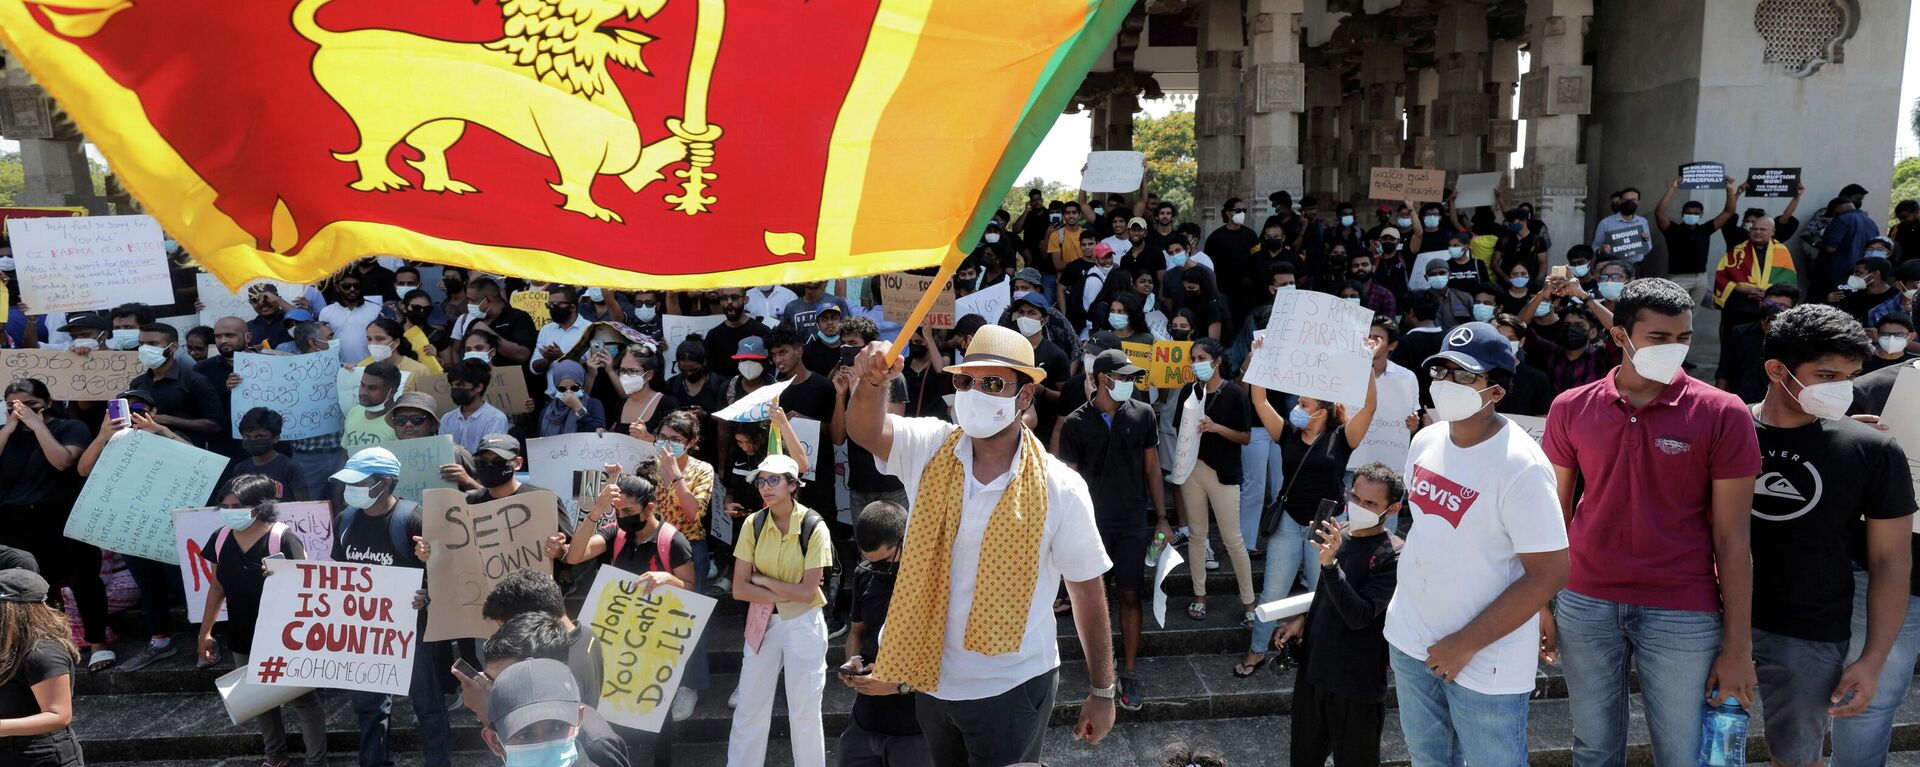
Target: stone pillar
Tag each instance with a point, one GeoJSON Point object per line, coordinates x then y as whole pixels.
{"type": "Point", "coordinates": [1323, 133]}
{"type": "Point", "coordinates": [1118, 113]}
{"type": "Point", "coordinates": [1556, 90]}
{"type": "Point", "coordinates": [1353, 143]}
{"type": "Point", "coordinates": [52, 156]}
{"type": "Point", "coordinates": [1383, 70]}
{"type": "Point", "coordinates": [1423, 86]}
{"type": "Point", "coordinates": [1274, 90]}
{"type": "Point", "coordinates": [1218, 125]}
{"type": "Point", "coordinates": [1463, 110]}
{"type": "Point", "coordinates": [1503, 133]}
{"type": "Point", "coordinates": [1097, 126]}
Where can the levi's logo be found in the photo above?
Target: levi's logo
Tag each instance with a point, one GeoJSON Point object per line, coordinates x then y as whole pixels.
{"type": "Point", "coordinates": [1439, 496]}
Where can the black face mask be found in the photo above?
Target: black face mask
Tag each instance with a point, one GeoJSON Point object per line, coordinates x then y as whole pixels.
{"type": "Point", "coordinates": [1181, 335]}
{"type": "Point", "coordinates": [419, 314]}
{"type": "Point", "coordinates": [257, 447]}
{"type": "Point", "coordinates": [1576, 337]}
{"type": "Point", "coordinates": [1629, 207]}
{"type": "Point", "coordinates": [916, 349]}
{"type": "Point", "coordinates": [634, 523]}
{"type": "Point", "coordinates": [1271, 246]}
{"type": "Point", "coordinates": [461, 397]}
{"type": "Point", "coordinates": [491, 474]}
{"type": "Point", "coordinates": [561, 315]}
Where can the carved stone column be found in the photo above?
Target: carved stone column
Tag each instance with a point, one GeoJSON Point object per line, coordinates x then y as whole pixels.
{"type": "Point", "coordinates": [1218, 115]}
{"type": "Point", "coordinates": [1462, 112]}
{"type": "Point", "coordinates": [1555, 92]}
{"type": "Point", "coordinates": [1274, 88]}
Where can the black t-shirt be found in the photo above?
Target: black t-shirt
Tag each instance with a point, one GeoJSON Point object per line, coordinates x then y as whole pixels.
{"type": "Point", "coordinates": [1314, 472]}
{"type": "Point", "coordinates": [1109, 453]}
{"type": "Point", "coordinates": [517, 326]}
{"type": "Point", "coordinates": [286, 475]}
{"type": "Point", "coordinates": [643, 555]}
{"type": "Point", "coordinates": [1816, 483]}
{"type": "Point", "coordinates": [598, 743]}
{"type": "Point", "coordinates": [25, 475]}
{"type": "Point", "coordinates": [370, 539]}
{"type": "Point", "coordinates": [1689, 247]}
{"type": "Point", "coordinates": [1416, 345]}
{"type": "Point", "coordinates": [886, 714]}
{"type": "Point", "coordinates": [723, 341]}
{"type": "Point", "coordinates": [862, 475]}
{"type": "Point", "coordinates": [242, 576]}
{"type": "Point", "coordinates": [1348, 661]}
{"type": "Point", "coordinates": [1531, 393]}
{"type": "Point", "coordinates": [1228, 407]}
{"type": "Point", "coordinates": [820, 357]}
{"type": "Point", "coordinates": [927, 392]}
{"type": "Point", "coordinates": [1876, 362]}
{"type": "Point", "coordinates": [813, 398]}
{"type": "Point", "coordinates": [47, 660]}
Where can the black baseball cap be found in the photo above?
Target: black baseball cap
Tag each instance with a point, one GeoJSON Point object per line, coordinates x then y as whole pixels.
{"type": "Point", "coordinates": [529, 692]}
{"type": "Point", "coordinates": [502, 445]}
{"type": "Point", "coordinates": [1476, 347]}
{"type": "Point", "coordinates": [86, 322]}
{"type": "Point", "coordinates": [1115, 362]}
{"type": "Point", "coordinates": [18, 585]}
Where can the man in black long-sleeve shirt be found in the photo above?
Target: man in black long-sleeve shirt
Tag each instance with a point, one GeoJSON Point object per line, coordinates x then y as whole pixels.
{"type": "Point", "coordinates": [1339, 696]}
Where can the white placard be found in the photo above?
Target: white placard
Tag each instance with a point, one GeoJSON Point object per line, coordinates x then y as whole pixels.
{"type": "Point", "coordinates": [988, 302]}
{"type": "Point", "coordinates": [753, 405]}
{"type": "Point", "coordinates": [246, 699]}
{"type": "Point", "coordinates": [808, 430]}
{"type": "Point", "coordinates": [645, 641]}
{"type": "Point", "coordinates": [1315, 346]}
{"type": "Point", "coordinates": [1475, 190]}
{"type": "Point", "coordinates": [1387, 436]}
{"type": "Point", "coordinates": [1284, 608]}
{"type": "Point", "coordinates": [310, 521]}
{"type": "Point", "coordinates": [1169, 558]}
{"type": "Point", "coordinates": [90, 262]}
{"type": "Point", "coordinates": [1535, 426]}
{"type": "Point", "coordinates": [338, 625]}
{"type": "Point", "coordinates": [676, 328]}
{"type": "Point", "coordinates": [1902, 419]}
{"type": "Point", "coordinates": [1113, 172]}
{"type": "Point", "coordinates": [551, 461]}
{"type": "Point", "coordinates": [301, 388]}
{"type": "Point", "coordinates": [216, 301]}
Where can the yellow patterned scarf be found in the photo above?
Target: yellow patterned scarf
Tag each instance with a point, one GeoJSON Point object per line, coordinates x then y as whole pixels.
{"type": "Point", "coordinates": [1009, 564]}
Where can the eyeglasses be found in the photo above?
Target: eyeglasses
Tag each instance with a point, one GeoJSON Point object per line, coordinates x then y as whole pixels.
{"type": "Point", "coordinates": [568, 389]}
{"type": "Point", "coordinates": [1613, 278]}
{"type": "Point", "coordinates": [1456, 375]}
{"type": "Point", "coordinates": [775, 481]}
{"type": "Point", "coordinates": [632, 372]}
{"type": "Point", "coordinates": [409, 420]}
{"type": "Point", "coordinates": [552, 306]}
{"type": "Point", "coordinates": [994, 385]}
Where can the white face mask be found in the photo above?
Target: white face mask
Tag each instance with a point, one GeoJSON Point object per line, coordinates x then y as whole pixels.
{"type": "Point", "coordinates": [992, 238]}
{"type": "Point", "coordinates": [751, 369]}
{"type": "Point", "coordinates": [333, 344]}
{"type": "Point", "coordinates": [983, 415]}
{"type": "Point", "coordinates": [481, 356]}
{"type": "Point", "coordinates": [1828, 400]}
{"type": "Point", "coordinates": [6, 263]}
{"type": "Point", "coordinates": [357, 497]}
{"type": "Point", "coordinates": [1028, 326]}
{"type": "Point", "coordinates": [632, 383]}
{"type": "Point", "coordinates": [379, 352]}
{"type": "Point", "coordinates": [1659, 363]}
{"type": "Point", "coordinates": [85, 343]}
{"type": "Point", "coordinates": [1360, 517]}
{"type": "Point", "coordinates": [646, 313]}
{"type": "Point", "coordinates": [1454, 402]}
{"type": "Point", "coordinates": [124, 338]}
{"type": "Point", "coordinates": [1239, 218]}
{"type": "Point", "coordinates": [1856, 282]}
{"type": "Point", "coordinates": [1891, 344]}
{"type": "Point", "coordinates": [474, 312]}
{"type": "Point", "coordinates": [153, 356]}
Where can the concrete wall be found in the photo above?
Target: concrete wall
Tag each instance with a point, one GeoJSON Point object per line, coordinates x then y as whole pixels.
{"type": "Point", "coordinates": [1646, 87]}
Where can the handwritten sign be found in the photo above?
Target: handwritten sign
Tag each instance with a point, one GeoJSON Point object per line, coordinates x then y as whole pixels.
{"type": "Point", "coordinates": [1535, 426]}
{"type": "Point", "coordinates": [1412, 184]}
{"type": "Point", "coordinates": [1315, 346]}
{"type": "Point", "coordinates": [676, 328]}
{"type": "Point", "coordinates": [1703, 175]}
{"type": "Point", "coordinates": [1113, 171]}
{"type": "Point", "coordinates": [988, 302]}
{"type": "Point", "coordinates": [474, 547]}
{"type": "Point", "coordinates": [331, 624]}
{"type": "Point", "coordinates": [1902, 419]}
{"type": "Point", "coordinates": [1773, 182]}
{"type": "Point", "coordinates": [1474, 190]}
{"type": "Point", "coordinates": [1169, 364]}
{"type": "Point", "coordinates": [807, 431]}
{"type": "Point", "coordinates": [310, 521]}
{"type": "Point", "coordinates": [1395, 398]}
{"type": "Point", "coordinates": [552, 461]}
{"type": "Point", "coordinates": [127, 504]}
{"type": "Point", "coordinates": [91, 262]}
{"type": "Point", "coordinates": [507, 391]}
{"type": "Point", "coordinates": [301, 388]}
{"type": "Point", "coordinates": [1629, 243]}
{"type": "Point", "coordinates": [99, 375]}
{"type": "Point", "coordinates": [645, 640]}
{"type": "Point", "coordinates": [900, 292]}
{"type": "Point", "coordinates": [216, 301]}
{"type": "Point", "coordinates": [533, 302]}
{"type": "Point", "coordinates": [753, 406]}
{"type": "Point", "coordinates": [420, 462]}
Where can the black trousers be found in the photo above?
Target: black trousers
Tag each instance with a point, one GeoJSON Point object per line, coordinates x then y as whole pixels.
{"type": "Point", "coordinates": [1328, 723]}
{"type": "Point", "coordinates": [990, 732]}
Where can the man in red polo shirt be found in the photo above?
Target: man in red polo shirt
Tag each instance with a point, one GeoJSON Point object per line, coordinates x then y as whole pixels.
{"type": "Point", "coordinates": [1662, 571]}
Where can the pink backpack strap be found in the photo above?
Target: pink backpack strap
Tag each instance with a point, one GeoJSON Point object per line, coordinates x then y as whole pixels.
{"type": "Point", "coordinates": [619, 542]}
{"type": "Point", "coordinates": [274, 534]}
{"type": "Point", "coordinates": [220, 540]}
{"type": "Point", "coordinates": [665, 541]}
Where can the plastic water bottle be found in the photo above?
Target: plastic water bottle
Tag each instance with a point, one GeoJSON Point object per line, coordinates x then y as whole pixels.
{"type": "Point", "coordinates": [1154, 549]}
{"type": "Point", "coordinates": [1723, 735]}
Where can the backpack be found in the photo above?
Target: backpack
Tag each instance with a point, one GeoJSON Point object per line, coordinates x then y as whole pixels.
{"type": "Point", "coordinates": [809, 523]}
{"type": "Point", "coordinates": [273, 539]}
{"type": "Point", "coordinates": [403, 511]}
{"type": "Point", "coordinates": [663, 540]}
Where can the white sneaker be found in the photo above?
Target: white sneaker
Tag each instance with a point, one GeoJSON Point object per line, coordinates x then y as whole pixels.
{"type": "Point", "coordinates": [1212, 564]}
{"type": "Point", "coordinates": [733, 700]}
{"type": "Point", "coordinates": [683, 703]}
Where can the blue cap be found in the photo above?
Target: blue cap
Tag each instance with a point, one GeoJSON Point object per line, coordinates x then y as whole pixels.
{"type": "Point", "coordinates": [826, 306]}
{"type": "Point", "coordinates": [751, 348]}
{"type": "Point", "coordinates": [1477, 347]}
{"type": "Point", "coordinates": [300, 315]}
{"type": "Point", "coordinates": [1034, 297]}
{"type": "Point", "coordinates": [369, 462]}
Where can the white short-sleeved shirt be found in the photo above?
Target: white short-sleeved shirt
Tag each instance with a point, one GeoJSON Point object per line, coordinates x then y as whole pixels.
{"type": "Point", "coordinates": [350, 325]}
{"type": "Point", "coordinates": [565, 338]}
{"type": "Point", "coordinates": [1475, 511]}
{"type": "Point", "coordinates": [1069, 547]}
{"type": "Point", "coordinates": [769, 306]}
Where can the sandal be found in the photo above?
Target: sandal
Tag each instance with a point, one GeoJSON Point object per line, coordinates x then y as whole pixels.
{"type": "Point", "coordinates": [1197, 611]}
{"type": "Point", "coordinates": [101, 660]}
{"type": "Point", "coordinates": [1247, 619]}
{"type": "Point", "coordinates": [1250, 670]}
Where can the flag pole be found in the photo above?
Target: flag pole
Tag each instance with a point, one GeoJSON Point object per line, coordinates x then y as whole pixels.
{"type": "Point", "coordinates": [952, 264]}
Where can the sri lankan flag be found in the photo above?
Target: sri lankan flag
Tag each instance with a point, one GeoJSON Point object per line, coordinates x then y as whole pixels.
{"type": "Point", "coordinates": [674, 144]}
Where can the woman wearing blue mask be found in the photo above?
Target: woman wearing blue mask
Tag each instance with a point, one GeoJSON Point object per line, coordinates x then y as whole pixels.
{"type": "Point", "coordinates": [249, 534]}
{"type": "Point", "coordinates": [1517, 289]}
{"type": "Point", "coordinates": [1200, 293]}
{"type": "Point", "coordinates": [1127, 318]}
{"type": "Point", "coordinates": [1213, 414]}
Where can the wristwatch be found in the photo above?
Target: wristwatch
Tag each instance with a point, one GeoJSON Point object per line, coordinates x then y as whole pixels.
{"type": "Point", "coordinates": [904, 689]}
{"type": "Point", "coordinates": [1106, 692]}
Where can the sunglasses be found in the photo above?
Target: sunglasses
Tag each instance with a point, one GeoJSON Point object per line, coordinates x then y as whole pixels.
{"type": "Point", "coordinates": [409, 420]}
{"type": "Point", "coordinates": [568, 389]}
{"type": "Point", "coordinates": [1456, 375]}
{"type": "Point", "coordinates": [994, 385]}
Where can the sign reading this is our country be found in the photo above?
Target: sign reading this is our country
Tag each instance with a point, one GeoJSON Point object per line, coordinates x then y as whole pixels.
{"type": "Point", "coordinates": [338, 625]}
{"type": "Point", "coordinates": [645, 639]}
{"type": "Point", "coordinates": [89, 262]}
{"type": "Point", "coordinates": [474, 547]}
{"type": "Point", "coordinates": [98, 375]}
{"type": "Point", "coordinates": [1411, 184]}
{"type": "Point", "coordinates": [900, 292]}
{"type": "Point", "coordinates": [1315, 346]}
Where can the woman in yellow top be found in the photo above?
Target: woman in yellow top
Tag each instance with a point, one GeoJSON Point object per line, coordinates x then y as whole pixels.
{"type": "Point", "coordinates": [387, 341]}
{"type": "Point", "coordinates": [781, 555]}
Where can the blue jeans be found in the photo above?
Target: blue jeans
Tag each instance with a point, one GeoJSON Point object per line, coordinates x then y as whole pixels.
{"type": "Point", "coordinates": [1673, 651]}
{"type": "Point", "coordinates": [1261, 478]}
{"type": "Point", "coordinates": [373, 710]}
{"type": "Point", "coordinates": [1444, 722]}
{"type": "Point", "coordinates": [1863, 740]}
{"type": "Point", "coordinates": [1288, 549]}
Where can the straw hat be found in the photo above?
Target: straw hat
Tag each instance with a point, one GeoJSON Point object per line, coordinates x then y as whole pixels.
{"type": "Point", "coordinates": [994, 346]}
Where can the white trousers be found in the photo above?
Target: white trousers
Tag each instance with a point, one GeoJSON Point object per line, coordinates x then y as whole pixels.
{"type": "Point", "coordinates": [796, 648]}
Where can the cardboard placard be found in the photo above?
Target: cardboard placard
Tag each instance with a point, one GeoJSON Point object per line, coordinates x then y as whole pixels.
{"type": "Point", "coordinates": [1113, 172]}
{"type": "Point", "coordinates": [300, 387]}
{"type": "Point", "coordinates": [507, 391]}
{"type": "Point", "coordinates": [1703, 175]}
{"type": "Point", "coordinates": [338, 625]}
{"type": "Point", "coordinates": [90, 262]}
{"type": "Point", "coordinates": [310, 521]}
{"type": "Point", "coordinates": [216, 301]}
{"type": "Point", "coordinates": [474, 547]}
{"type": "Point", "coordinates": [127, 504]}
{"type": "Point", "coordinates": [1475, 190]}
{"type": "Point", "coordinates": [645, 641]}
{"type": "Point", "coordinates": [677, 327]}
{"type": "Point", "coordinates": [1773, 182]}
{"type": "Point", "coordinates": [533, 302]}
{"type": "Point", "coordinates": [900, 292]}
{"type": "Point", "coordinates": [420, 462]}
{"type": "Point", "coordinates": [1170, 364]}
{"type": "Point", "coordinates": [1409, 184]}
{"type": "Point", "coordinates": [1315, 346]}
{"type": "Point", "coordinates": [91, 377]}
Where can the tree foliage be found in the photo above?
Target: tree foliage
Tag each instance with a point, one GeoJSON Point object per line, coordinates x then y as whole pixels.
{"type": "Point", "coordinates": [1173, 166]}
{"type": "Point", "coordinates": [1016, 199]}
{"type": "Point", "coordinates": [1906, 183]}
{"type": "Point", "coordinates": [13, 177]}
